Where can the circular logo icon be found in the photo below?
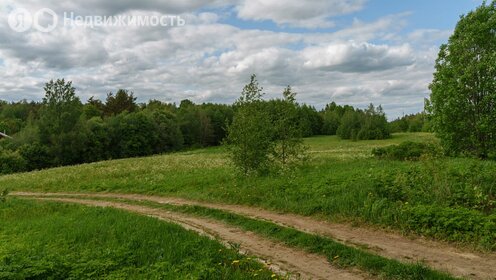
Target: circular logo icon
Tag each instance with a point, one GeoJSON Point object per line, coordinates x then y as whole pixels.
{"type": "Point", "coordinates": [20, 20]}
{"type": "Point", "coordinates": [45, 12]}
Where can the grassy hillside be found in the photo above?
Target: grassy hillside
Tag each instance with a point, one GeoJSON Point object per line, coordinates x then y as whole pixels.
{"type": "Point", "coordinates": [451, 199]}
{"type": "Point", "coordinates": [59, 241]}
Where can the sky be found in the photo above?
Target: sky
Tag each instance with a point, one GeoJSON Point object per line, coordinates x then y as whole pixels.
{"type": "Point", "coordinates": [349, 51]}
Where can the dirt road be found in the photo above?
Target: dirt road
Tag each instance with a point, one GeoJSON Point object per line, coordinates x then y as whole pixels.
{"type": "Point", "coordinates": [436, 255]}
{"type": "Point", "coordinates": [299, 264]}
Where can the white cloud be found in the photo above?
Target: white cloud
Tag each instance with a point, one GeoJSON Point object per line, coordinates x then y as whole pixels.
{"type": "Point", "coordinates": [208, 61]}
{"type": "Point", "coordinates": [357, 57]}
{"type": "Point", "coordinates": [309, 14]}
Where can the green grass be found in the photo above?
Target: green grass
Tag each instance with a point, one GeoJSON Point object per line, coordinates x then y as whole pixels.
{"type": "Point", "coordinates": [449, 199]}
{"type": "Point", "coordinates": [338, 254]}
{"type": "Point", "coordinates": [42, 240]}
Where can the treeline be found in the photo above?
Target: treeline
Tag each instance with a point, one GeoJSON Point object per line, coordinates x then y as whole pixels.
{"type": "Point", "coordinates": [350, 123]}
{"type": "Point", "coordinates": [411, 123]}
{"type": "Point", "coordinates": [62, 130]}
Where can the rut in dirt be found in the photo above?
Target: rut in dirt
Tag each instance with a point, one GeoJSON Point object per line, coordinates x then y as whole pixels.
{"type": "Point", "coordinates": [282, 259]}
{"type": "Point", "coordinates": [457, 262]}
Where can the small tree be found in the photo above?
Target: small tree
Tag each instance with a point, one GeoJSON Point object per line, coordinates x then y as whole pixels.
{"type": "Point", "coordinates": [289, 146]}
{"type": "Point", "coordinates": [463, 99]}
{"type": "Point", "coordinates": [250, 134]}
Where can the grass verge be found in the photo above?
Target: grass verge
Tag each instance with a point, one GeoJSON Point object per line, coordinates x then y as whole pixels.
{"type": "Point", "coordinates": [46, 240]}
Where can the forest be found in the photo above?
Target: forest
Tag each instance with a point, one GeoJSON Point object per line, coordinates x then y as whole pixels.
{"type": "Point", "coordinates": [61, 130]}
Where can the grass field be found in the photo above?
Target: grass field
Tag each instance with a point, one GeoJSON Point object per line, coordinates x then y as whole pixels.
{"type": "Point", "coordinates": [42, 240]}
{"type": "Point", "coordinates": [449, 199]}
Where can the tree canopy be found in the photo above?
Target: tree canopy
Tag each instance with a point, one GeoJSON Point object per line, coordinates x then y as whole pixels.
{"type": "Point", "coordinates": [463, 98]}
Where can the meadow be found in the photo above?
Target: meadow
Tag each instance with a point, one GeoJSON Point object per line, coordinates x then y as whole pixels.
{"type": "Point", "coordinates": [449, 199]}
{"type": "Point", "coordinates": [46, 240]}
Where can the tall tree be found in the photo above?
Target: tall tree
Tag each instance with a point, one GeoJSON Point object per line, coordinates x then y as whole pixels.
{"type": "Point", "coordinates": [59, 124]}
{"type": "Point", "coordinates": [463, 98]}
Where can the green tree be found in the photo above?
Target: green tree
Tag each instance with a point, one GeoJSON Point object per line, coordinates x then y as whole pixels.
{"type": "Point", "coordinates": [250, 134]}
{"type": "Point", "coordinates": [463, 99]}
{"type": "Point", "coordinates": [93, 108]}
{"type": "Point", "coordinates": [288, 146]}
{"type": "Point", "coordinates": [122, 101]}
{"type": "Point", "coordinates": [59, 124]}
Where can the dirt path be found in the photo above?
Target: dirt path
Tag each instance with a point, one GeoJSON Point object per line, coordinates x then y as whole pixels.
{"type": "Point", "coordinates": [282, 258]}
{"type": "Point", "coordinates": [436, 255]}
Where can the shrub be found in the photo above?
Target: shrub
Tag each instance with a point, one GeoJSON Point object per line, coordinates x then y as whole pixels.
{"type": "Point", "coordinates": [453, 224]}
{"type": "Point", "coordinates": [407, 151]}
{"type": "Point", "coordinates": [37, 156]}
{"type": "Point", "coordinates": [11, 162]}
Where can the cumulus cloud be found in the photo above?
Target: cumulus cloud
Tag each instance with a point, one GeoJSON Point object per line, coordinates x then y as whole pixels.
{"type": "Point", "coordinates": [357, 57]}
{"type": "Point", "coordinates": [98, 7]}
{"type": "Point", "coordinates": [209, 61]}
{"type": "Point", "coordinates": [309, 14]}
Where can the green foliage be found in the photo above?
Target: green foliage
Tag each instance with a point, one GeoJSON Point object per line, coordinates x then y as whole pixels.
{"type": "Point", "coordinates": [407, 151]}
{"type": "Point", "coordinates": [250, 134]}
{"type": "Point", "coordinates": [310, 121]}
{"type": "Point", "coordinates": [463, 98]}
{"type": "Point", "coordinates": [411, 123]}
{"type": "Point", "coordinates": [265, 134]}
{"type": "Point", "coordinates": [62, 131]}
{"type": "Point", "coordinates": [37, 156]}
{"type": "Point", "coordinates": [356, 124]}
{"type": "Point", "coordinates": [59, 122]}
{"type": "Point", "coordinates": [196, 125]}
{"type": "Point", "coordinates": [342, 181]}
{"type": "Point", "coordinates": [123, 101]}
{"type": "Point", "coordinates": [3, 195]}
{"type": "Point", "coordinates": [453, 224]}
{"type": "Point", "coordinates": [442, 201]}
{"type": "Point", "coordinates": [56, 241]}
{"type": "Point", "coordinates": [288, 147]}
{"type": "Point", "coordinates": [11, 162]}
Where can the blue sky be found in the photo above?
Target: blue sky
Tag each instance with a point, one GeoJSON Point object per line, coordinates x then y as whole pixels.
{"type": "Point", "coordinates": [349, 51]}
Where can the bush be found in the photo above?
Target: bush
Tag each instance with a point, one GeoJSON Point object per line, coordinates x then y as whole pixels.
{"type": "Point", "coordinates": [453, 224]}
{"type": "Point", "coordinates": [407, 151]}
{"type": "Point", "coordinates": [11, 162]}
{"type": "Point", "coordinates": [37, 156]}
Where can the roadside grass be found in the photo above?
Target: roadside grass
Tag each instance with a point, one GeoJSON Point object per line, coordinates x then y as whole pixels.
{"type": "Point", "coordinates": [338, 254]}
{"type": "Point", "coordinates": [45, 240]}
{"type": "Point", "coordinates": [452, 199]}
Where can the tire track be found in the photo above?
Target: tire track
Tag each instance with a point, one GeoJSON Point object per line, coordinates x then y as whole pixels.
{"type": "Point", "coordinates": [299, 264]}
{"type": "Point", "coordinates": [436, 255]}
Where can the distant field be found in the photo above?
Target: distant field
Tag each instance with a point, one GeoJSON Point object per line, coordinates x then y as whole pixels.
{"type": "Point", "coordinates": [450, 199]}
{"type": "Point", "coordinates": [59, 241]}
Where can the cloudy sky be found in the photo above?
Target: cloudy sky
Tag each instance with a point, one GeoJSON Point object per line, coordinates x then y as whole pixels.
{"type": "Point", "coordinates": [348, 51]}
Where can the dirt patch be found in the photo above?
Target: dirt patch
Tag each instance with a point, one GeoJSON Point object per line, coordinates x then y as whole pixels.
{"type": "Point", "coordinates": [436, 255]}
{"type": "Point", "coordinates": [299, 264]}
